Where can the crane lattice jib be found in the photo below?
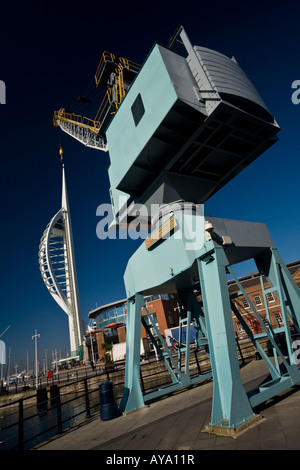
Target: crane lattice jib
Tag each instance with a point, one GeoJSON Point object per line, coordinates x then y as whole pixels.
{"type": "Point", "coordinates": [78, 127]}
{"type": "Point", "coordinates": [90, 131]}
{"type": "Point", "coordinates": [93, 125]}
{"type": "Point", "coordinates": [81, 121]}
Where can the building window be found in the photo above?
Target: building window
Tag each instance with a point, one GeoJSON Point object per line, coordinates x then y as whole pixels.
{"type": "Point", "coordinates": [137, 109]}
{"type": "Point", "coordinates": [151, 298]}
{"type": "Point", "coordinates": [154, 319]}
{"type": "Point", "coordinates": [171, 319]}
{"type": "Point", "coordinates": [278, 318]}
{"type": "Point", "coordinates": [257, 300]}
{"type": "Point", "coordinates": [270, 297]}
{"type": "Point", "coordinates": [164, 296]}
{"type": "Point", "coordinates": [245, 303]}
{"type": "Point", "coordinates": [265, 320]}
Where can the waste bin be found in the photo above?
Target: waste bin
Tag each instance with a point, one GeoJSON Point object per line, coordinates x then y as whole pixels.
{"type": "Point", "coordinates": [108, 405]}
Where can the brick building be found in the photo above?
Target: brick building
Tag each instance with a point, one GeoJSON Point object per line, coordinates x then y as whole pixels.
{"type": "Point", "coordinates": [110, 319]}
{"type": "Point", "coordinates": [252, 287]}
{"type": "Point", "coordinates": [110, 323]}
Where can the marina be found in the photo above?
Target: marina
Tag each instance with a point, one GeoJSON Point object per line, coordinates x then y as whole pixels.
{"type": "Point", "coordinates": [25, 423]}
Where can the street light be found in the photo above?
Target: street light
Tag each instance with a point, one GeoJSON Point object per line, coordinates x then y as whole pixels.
{"type": "Point", "coordinates": [91, 339]}
{"type": "Point", "coordinates": [92, 346]}
{"type": "Point", "coordinates": [2, 356]}
{"type": "Point", "coordinates": [35, 337]}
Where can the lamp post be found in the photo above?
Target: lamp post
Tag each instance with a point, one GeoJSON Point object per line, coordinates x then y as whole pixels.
{"type": "Point", "coordinates": [35, 337]}
{"type": "Point", "coordinates": [3, 353]}
{"type": "Point", "coordinates": [91, 339]}
{"type": "Point", "coordinates": [46, 359]}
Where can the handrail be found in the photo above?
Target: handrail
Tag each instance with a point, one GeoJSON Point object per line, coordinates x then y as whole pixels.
{"type": "Point", "coordinates": [104, 58]}
{"type": "Point", "coordinates": [148, 371]}
{"type": "Point", "coordinates": [129, 64]}
{"type": "Point", "coordinates": [105, 103]}
{"type": "Point", "coordinates": [91, 124]}
{"type": "Point", "coordinates": [120, 85]}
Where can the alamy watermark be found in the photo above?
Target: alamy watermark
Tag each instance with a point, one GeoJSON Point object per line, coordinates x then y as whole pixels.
{"type": "Point", "coordinates": [159, 222]}
{"type": "Point", "coordinates": [296, 94]}
{"type": "Point", "coordinates": [296, 353]}
{"type": "Point", "coordinates": [2, 92]}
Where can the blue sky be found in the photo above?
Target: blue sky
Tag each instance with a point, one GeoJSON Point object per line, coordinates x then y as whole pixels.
{"type": "Point", "coordinates": [49, 57]}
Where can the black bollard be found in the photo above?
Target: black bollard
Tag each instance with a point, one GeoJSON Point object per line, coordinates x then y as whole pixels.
{"type": "Point", "coordinates": [108, 406]}
{"type": "Point", "coordinates": [42, 401]}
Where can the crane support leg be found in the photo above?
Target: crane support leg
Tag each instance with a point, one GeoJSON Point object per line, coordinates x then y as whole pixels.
{"type": "Point", "coordinates": [282, 282]}
{"type": "Point", "coordinates": [132, 395]}
{"type": "Point", "coordinates": [231, 406]}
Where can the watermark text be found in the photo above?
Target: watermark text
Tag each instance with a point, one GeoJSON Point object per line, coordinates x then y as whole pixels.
{"type": "Point", "coordinates": [296, 94]}
{"type": "Point", "coordinates": [296, 349]}
{"type": "Point", "coordinates": [139, 222]}
{"type": "Point", "coordinates": [2, 92]}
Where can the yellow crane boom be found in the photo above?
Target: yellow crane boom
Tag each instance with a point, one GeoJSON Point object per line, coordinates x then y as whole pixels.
{"type": "Point", "coordinates": [116, 79]}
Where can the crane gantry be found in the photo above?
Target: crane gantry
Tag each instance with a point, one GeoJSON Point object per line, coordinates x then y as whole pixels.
{"type": "Point", "coordinates": [191, 123]}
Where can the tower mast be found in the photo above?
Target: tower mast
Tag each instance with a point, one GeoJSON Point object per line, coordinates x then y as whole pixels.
{"type": "Point", "coordinates": [58, 269]}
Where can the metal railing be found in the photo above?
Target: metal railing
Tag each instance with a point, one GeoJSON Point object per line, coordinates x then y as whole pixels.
{"type": "Point", "coordinates": [106, 57]}
{"type": "Point", "coordinates": [111, 101]}
{"type": "Point", "coordinates": [104, 106]}
{"type": "Point", "coordinates": [109, 57]}
{"type": "Point", "coordinates": [92, 125]}
{"type": "Point", "coordinates": [59, 377]}
{"type": "Point", "coordinates": [29, 420]}
{"type": "Point", "coordinates": [129, 64]}
{"type": "Point", "coordinates": [32, 420]}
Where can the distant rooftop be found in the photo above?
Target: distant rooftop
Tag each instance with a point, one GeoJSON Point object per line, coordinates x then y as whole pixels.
{"type": "Point", "coordinates": [290, 266]}
{"type": "Point", "coordinates": [102, 308]}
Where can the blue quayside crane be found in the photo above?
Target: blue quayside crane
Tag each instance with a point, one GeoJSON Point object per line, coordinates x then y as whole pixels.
{"type": "Point", "coordinates": [177, 129]}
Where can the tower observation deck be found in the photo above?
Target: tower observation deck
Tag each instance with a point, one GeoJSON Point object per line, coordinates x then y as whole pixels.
{"type": "Point", "coordinates": [57, 266]}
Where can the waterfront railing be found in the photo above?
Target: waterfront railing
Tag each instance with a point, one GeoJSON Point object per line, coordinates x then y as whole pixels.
{"type": "Point", "coordinates": [29, 420]}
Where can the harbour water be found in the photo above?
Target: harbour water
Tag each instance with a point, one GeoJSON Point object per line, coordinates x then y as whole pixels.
{"type": "Point", "coordinates": [40, 425]}
{"type": "Point", "coordinates": [41, 422]}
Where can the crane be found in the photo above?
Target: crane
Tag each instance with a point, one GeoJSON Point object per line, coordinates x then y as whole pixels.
{"type": "Point", "coordinates": [115, 77]}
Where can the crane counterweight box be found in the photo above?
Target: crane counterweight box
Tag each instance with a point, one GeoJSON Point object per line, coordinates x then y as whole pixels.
{"type": "Point", "coordinates": [185, 128]}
